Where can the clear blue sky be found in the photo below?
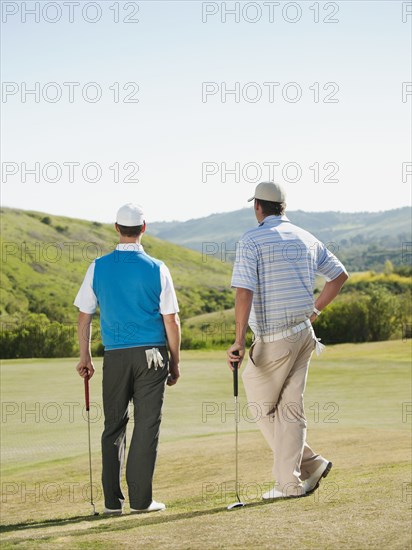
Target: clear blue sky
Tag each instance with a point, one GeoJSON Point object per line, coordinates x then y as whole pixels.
{"type": "Point", "coordinates": [171, 133]}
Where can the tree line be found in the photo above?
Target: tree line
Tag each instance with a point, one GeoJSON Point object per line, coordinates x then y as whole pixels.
{"type": "Point", "coordinates": [376, 307]}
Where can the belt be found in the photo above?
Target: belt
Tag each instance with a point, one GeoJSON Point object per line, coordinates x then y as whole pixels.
{"type": "Point", "coordinates": [283, 334]}
{"type": "Point", "coordinates": [267, 338]}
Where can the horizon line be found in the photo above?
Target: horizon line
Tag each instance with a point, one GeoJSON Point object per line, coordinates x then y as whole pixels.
{"type": "Point", "coordinates": [211, 214]}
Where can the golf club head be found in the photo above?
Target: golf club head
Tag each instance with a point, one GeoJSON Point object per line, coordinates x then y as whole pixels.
{"type": "Point", "coordinates": [95, 513]}
{"type": "Point", "coordinates": [236, 505]}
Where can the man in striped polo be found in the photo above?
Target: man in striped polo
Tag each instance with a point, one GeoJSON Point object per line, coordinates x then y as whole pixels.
{"type": "Point", "coordinates": [274, 275]}
{"type": "Point", "coordinates": [138, 316]}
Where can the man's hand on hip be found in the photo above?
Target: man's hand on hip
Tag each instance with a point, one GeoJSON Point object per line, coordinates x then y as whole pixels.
{"type": "Point", "coordinates": [231, 358]}
{"type": "Point", "coordinates": [85, 368]}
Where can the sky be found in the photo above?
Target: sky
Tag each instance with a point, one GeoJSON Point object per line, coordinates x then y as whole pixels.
{"type": "Point", "coordinates": [183, 107]}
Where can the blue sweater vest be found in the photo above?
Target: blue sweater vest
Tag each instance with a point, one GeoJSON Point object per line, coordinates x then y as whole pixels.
{"type": "Point", "coordinates": [128, 287]}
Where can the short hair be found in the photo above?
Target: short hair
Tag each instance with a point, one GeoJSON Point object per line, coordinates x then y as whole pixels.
{"type": "Point", "coordinates": [130, 231]}
{"type": "Point", "coordinates": [270, 208]}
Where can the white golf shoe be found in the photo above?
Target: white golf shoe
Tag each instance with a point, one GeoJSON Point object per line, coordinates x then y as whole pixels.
{"type": "Point", "coordinates": [312, 483]}
{"type": "Point", "coordinates": [109, 512]}
{"type": "Point", "coordinates": [274, 493]}
{"type": "Point", "coordinates": [114, 512]}
{"type": "Point", "coordinates": [154, 507]}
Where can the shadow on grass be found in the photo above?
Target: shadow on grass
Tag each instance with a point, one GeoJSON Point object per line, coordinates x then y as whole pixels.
{"type": "Point", "coordinates": [144, 519]}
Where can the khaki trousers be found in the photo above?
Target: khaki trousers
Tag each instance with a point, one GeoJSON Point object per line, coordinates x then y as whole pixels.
{"type": "Point", "coordinates": [274, 380]}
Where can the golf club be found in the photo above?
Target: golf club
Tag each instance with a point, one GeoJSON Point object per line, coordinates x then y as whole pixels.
{"type": "Point", "coordinates": [87, 400]}
{"type": "Point", "coordinates": [235, 366]}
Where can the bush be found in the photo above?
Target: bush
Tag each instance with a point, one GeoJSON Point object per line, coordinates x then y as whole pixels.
{"type": "Point", "coordinates": [36, 336]}
{"type": "Point", "coordinates": [62, 228]}
{"type": "Point", "coordinates": [393, 282]}
{"type": "Point", "coordinates": [344, 321]}
{"type": "Point", "coordinates": [404, 270]}
{"type": "Point", "coordinates": [384, 314]}
{"type": "Point", "coordinates": [371, 316]}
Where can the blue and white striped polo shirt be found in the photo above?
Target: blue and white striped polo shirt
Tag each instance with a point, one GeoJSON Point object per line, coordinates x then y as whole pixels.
{"type": "Point", "coordinates": [278, 261]}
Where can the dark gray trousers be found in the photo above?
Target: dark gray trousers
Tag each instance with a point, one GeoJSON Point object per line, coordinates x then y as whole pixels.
{"type": "Point", "coordinates": [126, 377]}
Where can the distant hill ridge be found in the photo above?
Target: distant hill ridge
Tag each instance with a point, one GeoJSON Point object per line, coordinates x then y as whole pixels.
{"type": "Point", "coordinates": [363, 239]}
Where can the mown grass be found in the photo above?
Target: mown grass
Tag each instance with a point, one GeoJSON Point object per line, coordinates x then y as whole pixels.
{"type": "Point", "coordinates": [358, 409]}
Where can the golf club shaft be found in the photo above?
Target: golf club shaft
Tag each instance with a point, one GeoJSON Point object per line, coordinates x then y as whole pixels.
{"type": "Point", "coordinates": [87, 400]}
{"type": "Point", "coordinates": [236, 449]}
{"type": "Point", "coordinates": [235, 366]}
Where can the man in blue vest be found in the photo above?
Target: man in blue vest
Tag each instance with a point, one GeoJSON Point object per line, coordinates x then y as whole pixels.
{"type": "Point", "coordinates": [138, 317]}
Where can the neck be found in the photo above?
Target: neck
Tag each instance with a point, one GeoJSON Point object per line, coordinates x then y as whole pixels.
{"type": "Point", "coordinates": [260, 218]}
{"type": "Point", "coordinates": [128, 240]}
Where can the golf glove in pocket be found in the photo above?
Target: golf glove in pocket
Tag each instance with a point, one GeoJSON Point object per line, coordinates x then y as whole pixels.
{"type": "Point", "coordinates": [154, 358]}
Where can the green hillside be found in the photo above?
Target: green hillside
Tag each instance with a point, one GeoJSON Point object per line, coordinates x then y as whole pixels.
{"type": "Point", "coordinates": [45, 257]}
{"type": "Point", "coordinates": [363, 240]}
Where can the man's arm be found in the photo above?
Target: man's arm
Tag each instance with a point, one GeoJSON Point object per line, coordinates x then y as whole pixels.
{"type": "Point", "coordinates": [84, 331]}
{"type": "Point", "coordinates": [243, 304]}
{"type": "Point", "coordinates": [172, 326]}
{"type": "Point", "coordinates": [329, 293]}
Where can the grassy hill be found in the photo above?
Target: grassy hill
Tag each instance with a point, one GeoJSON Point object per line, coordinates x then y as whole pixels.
{"type": "Point", "coordinates": [363, 240]}
{"type": "Point", "coordinates": [45, 257]}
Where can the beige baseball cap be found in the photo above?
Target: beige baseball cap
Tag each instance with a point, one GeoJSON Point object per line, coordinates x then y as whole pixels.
{"type": "Point", "coordinates": [269, 191]}
{"type": "Point", "coordinates": [130, 215]}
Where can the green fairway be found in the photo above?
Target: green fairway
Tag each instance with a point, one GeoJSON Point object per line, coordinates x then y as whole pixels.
{"type": "Point", "coordinates": [359, 411]}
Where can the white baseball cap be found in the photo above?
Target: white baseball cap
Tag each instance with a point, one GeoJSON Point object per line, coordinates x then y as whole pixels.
{"type": "Point", "coordinates": [269, 191]}
{"type": "Point", "coordinates": [130, 215]}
